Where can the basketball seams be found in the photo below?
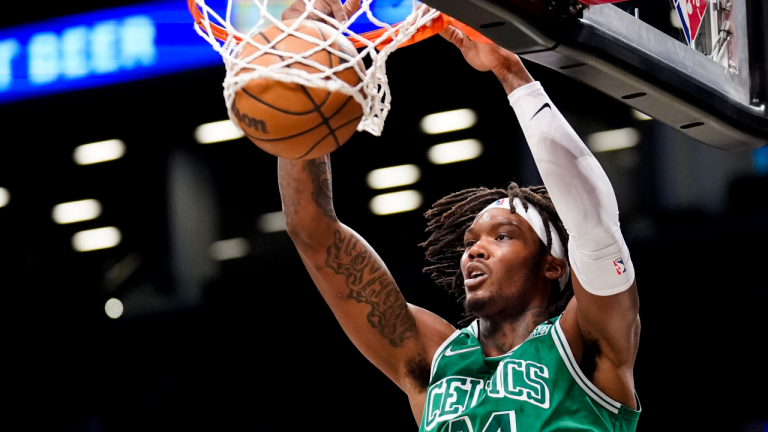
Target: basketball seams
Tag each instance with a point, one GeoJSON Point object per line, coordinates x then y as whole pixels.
{"type": "Point", "coordinates": [285, 137]}
{"type": "Point", "coordinates": [303, 132]}
{"type": "Point", "coordinates": [256, 98]}
{"type": "Point", "coordinates": [330, 57]}
{"type": "Point", "coordinates": [327, 93]}
{"type": "Point", "coordinates": [327, 135]}
{"type": "Point", "coordinates": [334, 115]}
{"type": "Point", "coordinates": [312, 128]}
{"type": "Point", "coordinates": [341, 108]}
{"type": "Point", "coordinates": [325, 120]}
{"type": "Point", "coordinates": [323, 138]}
{"type": "Point", "coordinates": [333, 130]}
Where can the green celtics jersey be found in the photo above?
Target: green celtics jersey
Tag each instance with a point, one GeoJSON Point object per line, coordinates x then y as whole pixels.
{"type": "Point", "coordinates": [536, 387]}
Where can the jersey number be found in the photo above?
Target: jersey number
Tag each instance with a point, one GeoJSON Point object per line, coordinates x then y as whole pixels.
{"type": "Point", "coordinates": [499, 422]}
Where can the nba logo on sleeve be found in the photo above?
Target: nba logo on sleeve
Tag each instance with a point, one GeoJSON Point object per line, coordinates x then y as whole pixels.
{"type": "Point", "coordinates": [691, 14]}
{"type": "Point", "coordinates": [618, 264]}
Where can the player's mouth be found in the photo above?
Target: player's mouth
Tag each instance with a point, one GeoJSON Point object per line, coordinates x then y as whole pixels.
{"type": "Point", "coordinates": [475, 278]}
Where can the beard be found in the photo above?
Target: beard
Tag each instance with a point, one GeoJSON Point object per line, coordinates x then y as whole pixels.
{"type": "Point", "coordinates": [476, 306]}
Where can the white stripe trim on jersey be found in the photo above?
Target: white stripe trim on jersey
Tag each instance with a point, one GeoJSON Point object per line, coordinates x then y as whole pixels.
{"type": "Point", "coordinates": [474, 327]}
{"type": "Point", "coordinates": [570, 362]}
{"type": "Point", "coordinates": [439, 353]}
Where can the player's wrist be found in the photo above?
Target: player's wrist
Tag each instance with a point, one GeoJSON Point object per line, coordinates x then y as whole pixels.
{"type": "Point", "coordinates": [512, 74]}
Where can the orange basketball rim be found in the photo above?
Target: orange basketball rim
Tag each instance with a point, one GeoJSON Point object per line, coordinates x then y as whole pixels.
{"type": "Point", "coordinates": [439, 23]}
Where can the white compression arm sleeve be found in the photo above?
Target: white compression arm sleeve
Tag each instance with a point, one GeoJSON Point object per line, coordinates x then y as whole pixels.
{"type": "Point", "coordinates": [581, 192]}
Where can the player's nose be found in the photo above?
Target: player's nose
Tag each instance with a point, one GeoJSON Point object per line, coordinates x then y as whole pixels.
{"type": "Point", "coordinates": [478, 251]}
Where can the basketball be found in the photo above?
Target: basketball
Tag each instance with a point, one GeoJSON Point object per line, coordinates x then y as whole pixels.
{"type": "Point", "coordinates": [291, 120]}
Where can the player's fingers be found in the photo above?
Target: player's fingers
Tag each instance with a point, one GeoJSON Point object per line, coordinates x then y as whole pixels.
{"type": "Point", "coordinates": [337, 10]}
{"type": "Point", "coordinates": [293, 11]}
{"type": "Point", "coordinates": [454, 36]}
{"type": "Point", "coordinates": [351, 6]}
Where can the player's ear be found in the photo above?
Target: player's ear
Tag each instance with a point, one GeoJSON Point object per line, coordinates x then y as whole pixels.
{"type": "Point", "coordinates": [553, 267]}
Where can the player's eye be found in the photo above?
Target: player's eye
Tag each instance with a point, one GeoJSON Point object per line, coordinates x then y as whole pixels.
{"type": "Point", "coordinates": [469, 243]}
{"type": "Point", "coordinates": [503, 236]}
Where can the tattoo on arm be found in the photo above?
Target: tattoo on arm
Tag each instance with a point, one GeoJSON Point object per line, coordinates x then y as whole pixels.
{"type": "Point", "coordinates": [370, 283]}
{"type": "Point", "coordinates": [289, 193]}
{"type": "Point", "coordinates": [320, 171]}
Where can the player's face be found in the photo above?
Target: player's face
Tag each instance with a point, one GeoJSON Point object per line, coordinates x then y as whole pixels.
{"type": "Point", "coordinates": [502, 264]}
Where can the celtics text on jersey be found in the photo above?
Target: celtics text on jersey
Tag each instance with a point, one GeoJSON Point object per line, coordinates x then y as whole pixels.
{"type": "Point", "coordinates": [536, 386]}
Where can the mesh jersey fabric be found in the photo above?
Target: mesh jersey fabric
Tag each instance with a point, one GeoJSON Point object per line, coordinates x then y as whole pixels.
{"type": "Point", "coordinates": [537, 386]}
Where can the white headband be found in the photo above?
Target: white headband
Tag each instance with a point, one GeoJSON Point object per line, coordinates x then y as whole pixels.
{"type": "Point", "coordinates": [534, 219]}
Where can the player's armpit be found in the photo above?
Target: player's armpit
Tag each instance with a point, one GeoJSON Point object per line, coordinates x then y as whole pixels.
{"type": "Point", "coordinates": [607, 330]}
{"type": "Point", "coordinates": [612, 320]}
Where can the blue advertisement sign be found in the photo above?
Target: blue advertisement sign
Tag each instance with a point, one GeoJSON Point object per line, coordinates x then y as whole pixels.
{"type": "Point", "coordinates": [130, 43]}
{"type": "Point", "coordinates": [100, 48]}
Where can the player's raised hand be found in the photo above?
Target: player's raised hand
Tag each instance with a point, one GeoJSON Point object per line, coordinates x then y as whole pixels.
{"type": "Point", "coordinates": [330, 8]}
{"type": "Point", "coordinates": [485, 56]}
{"type": "Point", "coordinates": [481, 56]}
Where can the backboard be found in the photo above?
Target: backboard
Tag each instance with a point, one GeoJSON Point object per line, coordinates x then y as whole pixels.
{"type": "Point", "coordinates": [707, 79]}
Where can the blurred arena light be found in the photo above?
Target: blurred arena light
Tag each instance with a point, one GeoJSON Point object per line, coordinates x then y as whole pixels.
{"type": "Point", "coordinates": [640, 116]}
{"type": "Point", "coordinates": [271, 222]}
{"type": "Point", "coordinates": [97, 152]}
{"type": "Point", "coordinates": [95, 239]}
{"type": "Point", "coordinates": [219, 131]}
{"type": "Point", "coordinates": [455, 151]}
{"type": "Point", "coordinates": [674, 18]}
{"type": "Point", "coordinates": [76, 211]}
{"type": "Point", "coordinates": [401, 175]}
{"type": "Point", "coordinates": [114, 308]}
{"type": "Point", "coordinates": [5, 197]}
{"type": "Point", "coordinates": [396, 202]}
{"type": "Point", "coordinates": [229, 249]}
{"type": "Point", "coordinates": [448, 121]}
{"type": "Point", "coordinates": [610, 140]}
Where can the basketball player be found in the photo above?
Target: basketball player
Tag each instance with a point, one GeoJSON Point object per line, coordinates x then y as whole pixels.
{"type": "Point", "coordinates": [544, 272]}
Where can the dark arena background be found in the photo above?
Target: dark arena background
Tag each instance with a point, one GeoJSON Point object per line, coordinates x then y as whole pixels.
{"type": "Point", "coordinates": [200, 315]}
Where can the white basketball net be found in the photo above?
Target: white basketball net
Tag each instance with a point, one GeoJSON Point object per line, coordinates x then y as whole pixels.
{"type": "Point", "coordinates": [372, 92]}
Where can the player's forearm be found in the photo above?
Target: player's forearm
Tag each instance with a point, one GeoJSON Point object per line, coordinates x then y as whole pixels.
{"type": "Point", "coordinates": [349, 274]}
{"type": "Point", "coordinates": [580, 191]}
{"type": "Point", "coordinates": [305, 189]}
{"type": "Point", "coordinates": [574, 178]}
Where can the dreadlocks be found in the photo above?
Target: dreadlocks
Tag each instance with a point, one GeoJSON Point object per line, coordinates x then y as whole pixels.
{"type": "Point", "coordinates": [451, 216]}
